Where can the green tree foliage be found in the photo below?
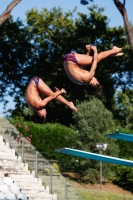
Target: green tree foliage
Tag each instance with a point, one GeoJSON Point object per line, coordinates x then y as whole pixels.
{"type": "Point", "coordinates": [55, 33]}
{"type": "Point", "coordinates": [15, 56]}
{"type": "Point", "coordinates": [123, 113]}
{"type": "Point", "coordinates": [37, 49]}
{"type": "Point", "coordinates": [124, 177]}
{"type": "Point", "coordinates": [93, 121]}
{"type": "Point", "coordinates": [124, 108]}
{"type": "Point", "coordinates": [128, 26]}
{"type": "Point", "coordinates": [125, 147]}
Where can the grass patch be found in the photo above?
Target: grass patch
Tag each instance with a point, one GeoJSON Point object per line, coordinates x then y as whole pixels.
{"type": "Point", "coordinates": [89, 194]}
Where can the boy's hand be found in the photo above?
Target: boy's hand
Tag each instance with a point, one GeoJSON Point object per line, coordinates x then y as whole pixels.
{"type": "Point", "coordinates": [94, 48]}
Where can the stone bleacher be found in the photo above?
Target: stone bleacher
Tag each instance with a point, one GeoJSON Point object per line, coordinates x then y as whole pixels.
{"type": "Point", "coordinates": [14, 173]}
{"type": "Point", "coordinates": [55, 185]}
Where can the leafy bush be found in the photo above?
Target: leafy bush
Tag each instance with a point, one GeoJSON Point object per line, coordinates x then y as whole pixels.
{"type": "Point", "coordinates": [49, 137]}
{"type": "Point", "coordinates": [92, 122]}
{"type": "Point", "coordinates": [124, 177]}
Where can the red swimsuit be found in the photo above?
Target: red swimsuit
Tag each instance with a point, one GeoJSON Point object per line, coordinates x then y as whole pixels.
{"type": "Point", "coordinates": [71, 57]}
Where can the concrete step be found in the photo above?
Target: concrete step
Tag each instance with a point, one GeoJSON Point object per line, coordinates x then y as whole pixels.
{"type": "Point", "coordinates": [29, 184]}
{"type": "Point", "coordinates": [3, 147]}
{"type": "Point", "coordinates": [27, 181]}
{"type": "Point", "coordinates": [4, 157]}
{"type": "Point", "coordinates": [2, 144]}
{"type": "Point", "coordinates": [32, 185]}
{"type": "Point", "coordinates": [43, 198]}
{"type": "Point", "coordinates": [13, 172]}
{"type": "Point", "coordinates": [7, 150]}
{"type": "Point", "coordinates": [28, 177]}
{"type": "Point", "coordinates": [1, 138]}
{"type": "Point", "coordinates": [11, 167]}
{"type": "Point", "coordinates": [10, 154]}
{"type": "Point", "coordinates": [33, 193]}
{"type": "Point", "coordinates": [17, 161]}
{"type": "Point", "coordinates": [36, 198]}
{"type": "Point", "coordinates": [13, 163]}
{"type": "Point", "coordinates": [24, 180]}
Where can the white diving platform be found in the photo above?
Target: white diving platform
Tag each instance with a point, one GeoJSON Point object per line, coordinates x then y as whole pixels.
{"type": "Point", "coordinates": [94, 156]}
{"type": "Point", "coordinates": [121, 136]}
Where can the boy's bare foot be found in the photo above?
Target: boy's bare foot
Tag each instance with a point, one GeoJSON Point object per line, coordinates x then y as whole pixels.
{"type": "Point", "coordinates": [88, 47]}
{"type": "Point", "coordinates": [117, 54]}
{"type": "Point", "coordinates": [62, 90]}
{"type": "Point", "coordinates": [73, 107]}
{"type": "Point", "coordinates": [116, 49]}
{"type": "Point", "coordinates": [70, 104]}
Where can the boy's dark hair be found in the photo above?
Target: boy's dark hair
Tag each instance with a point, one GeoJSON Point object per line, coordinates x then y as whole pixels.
{"type": "Point", "coordinates": [39, 119]}
{"type": "Point", "coordinates": [95, 88]}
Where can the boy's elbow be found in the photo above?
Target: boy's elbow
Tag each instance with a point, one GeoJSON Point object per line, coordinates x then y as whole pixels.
{"type": "Point", "coordinates": [92, 74]}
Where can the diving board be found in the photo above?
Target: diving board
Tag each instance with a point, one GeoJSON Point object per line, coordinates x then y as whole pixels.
{"type": "Point", "coordinates": [94, 156]}
{"type": "Point", "coordinates": [121, 136]}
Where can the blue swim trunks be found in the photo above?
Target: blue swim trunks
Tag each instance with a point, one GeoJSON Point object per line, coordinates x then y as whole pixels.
{"type": "Point", "coordinates": [36, 80]}
{"type": "Point", "coordinates": [70, 57]}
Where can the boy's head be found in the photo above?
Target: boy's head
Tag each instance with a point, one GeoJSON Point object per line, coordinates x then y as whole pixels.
{"type": "Point", "coordinates": [40, 116]}
{"type": "Point", "coordinates": [94, 86]}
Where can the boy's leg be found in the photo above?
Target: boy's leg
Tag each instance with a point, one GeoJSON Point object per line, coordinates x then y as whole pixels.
{"type": "Point", "coordinates": [87, 60]}
{"type": "Point", "coordinates": [64, 101]}
{"type": "Point", "coordinates": [45, 90]}
{"type": "Point", "coordinates": [114, 52]}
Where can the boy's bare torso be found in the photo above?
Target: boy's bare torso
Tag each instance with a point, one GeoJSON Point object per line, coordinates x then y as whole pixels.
{"type": "Point", "coordinates": [75, 73]}
{"type": "Point", "coordinates": [32, 96]}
